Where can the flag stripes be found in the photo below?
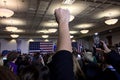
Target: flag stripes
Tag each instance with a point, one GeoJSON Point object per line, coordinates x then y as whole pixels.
{"type": "Point", "coordinates": [41, 46]}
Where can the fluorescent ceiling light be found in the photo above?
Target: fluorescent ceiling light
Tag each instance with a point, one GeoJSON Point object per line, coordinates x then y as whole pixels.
{"type": "Point", "coordinates": [73, 32]}
{"type": "Point", "coordinates": [111, 21]}
{"type": "Point", "coordinates": [96, 33]}
{"type": "Point", "coordinates": [45, 36]}
{"type": "Point", "coordinates": [46, 40]}
{"type": "Point", "coordinates": [11, 28]}
{"type": "Point", "coordinates": [84, 26]}
{"type": "Point", "coordinates": [30, 40]}
{"type": "Point", "coordinates": [68, 1]}
{"type": "Point", "coordinates": [73, 40]}
{"type": "Point", "coordinates": [52, 30]}
{"type": "Point", "coordinates": [6, 12]}
{"type": "Point", "coordinates": [71, 36]}
{"type": "Point", "coordinates": [14, 35]}
{"type": "Point", "coordinates": [84, 31]}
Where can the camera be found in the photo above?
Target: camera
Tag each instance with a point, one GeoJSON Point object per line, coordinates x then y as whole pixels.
{"type": "Point", "coordinates": [97, 42]}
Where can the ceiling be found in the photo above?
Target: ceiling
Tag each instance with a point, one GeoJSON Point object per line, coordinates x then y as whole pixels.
{"type": "Point", "coordinates": [31, 16]}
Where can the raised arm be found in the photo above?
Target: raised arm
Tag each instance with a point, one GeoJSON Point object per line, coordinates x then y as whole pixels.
{"type": "Point", "coordinates": [61, 66]}
{"type": "Point", "coordinates": [64, 41]}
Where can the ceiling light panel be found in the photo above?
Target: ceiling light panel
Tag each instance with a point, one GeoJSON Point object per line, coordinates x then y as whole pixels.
{"type": "Point", "coordinates": [45, 36]}
{"type": "Point", "coordinates": [11, 28]}
{"type": "Point", "coordinates": [71, 36]}
{"type": "Point", "coordinates": [84, 31]}
{"type": "Point", "coordinates": [111, 21]}
{"type": "Point", "coordinates": [84, 26]}
{"type": "Point", "coordinates": [73, 32]}
{"type": "Point", "coordinates": [52, 30]}
{"type": "Point", "coordinates": [14, 35]}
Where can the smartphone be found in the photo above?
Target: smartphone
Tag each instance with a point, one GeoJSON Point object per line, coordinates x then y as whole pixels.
{"type": "Point", "coordinates": [97, 42]}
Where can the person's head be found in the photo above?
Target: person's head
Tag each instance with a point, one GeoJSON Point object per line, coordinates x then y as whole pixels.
{"type": "Point", "coordinates": [6, 74]}
{"type": "Point", "coordinates": [34, 72]}
{"type": "Point", "coordinates": [12, 56]}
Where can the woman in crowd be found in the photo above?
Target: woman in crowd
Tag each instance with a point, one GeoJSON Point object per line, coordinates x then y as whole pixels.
{"type": "Point", "coordinates": [12, 57]}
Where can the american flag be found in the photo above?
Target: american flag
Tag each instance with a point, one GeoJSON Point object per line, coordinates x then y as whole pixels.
{"type": "Point", "coordinates": [41, 47]}
{"type": "Point", "coordinates": [46, 46]}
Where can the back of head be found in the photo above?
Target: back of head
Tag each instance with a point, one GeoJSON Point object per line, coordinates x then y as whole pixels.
{"type": "Point", "coordinates": [6, 74]}
{"type": "Point", "coordinates": [34, 72]}
{"type": "Point", "coordinates": [12, 56]}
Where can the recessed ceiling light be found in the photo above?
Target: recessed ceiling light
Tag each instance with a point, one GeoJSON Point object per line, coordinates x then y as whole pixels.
{"type": "Point", "coordinates": [111, 21]}
{"type": "Point", "coordinates": [30, 40]}
{"type": "Point", "coordinates": [84, 26]}
{"type": "Point", "coordinates": [11, 28]}
{"type": "Point", "coordinates": [96, 33]}
{"type": "Point", "coordinates": [73, 32]}
{"type": "Point", "coordinates": [45, 36]}
{"type": "Point", "coordinates": [6, 12]}
{"type": "Point", "coordinates": [73, 40]}
{"type": "Point", "coordinates": [46, 40]}
{"type": "Point", "coordinates": [52, 30]}
{"type": "Point", "coordinates": [71, 36]}
{"type": "Point", "coordinates": [14, 35]}
{"type": "Point", "coordinates": [84, 31]}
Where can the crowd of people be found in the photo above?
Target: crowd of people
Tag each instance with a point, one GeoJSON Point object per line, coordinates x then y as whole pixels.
{"type": "Point", "coordinates": [65, 64]}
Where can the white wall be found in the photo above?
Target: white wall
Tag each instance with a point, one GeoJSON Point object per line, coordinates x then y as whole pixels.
{"type": "Point", "coordinates": [12, 45]}
{"type": "Point", "coordinates": [8, 44]}
{"type": "Point", "coordinates": [24, 46]}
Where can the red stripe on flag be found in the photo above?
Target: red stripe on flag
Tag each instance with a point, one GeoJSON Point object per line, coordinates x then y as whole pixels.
{"type": "Point", "coordinates": [46, 46]}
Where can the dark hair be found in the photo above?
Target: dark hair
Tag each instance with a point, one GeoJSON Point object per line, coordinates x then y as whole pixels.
{"type": "Point", "coordinates": [34, 72]}
{"type": "Point", "coordinates": [6, 74]}
{"type": "Point", "coordinates": [12, 55]}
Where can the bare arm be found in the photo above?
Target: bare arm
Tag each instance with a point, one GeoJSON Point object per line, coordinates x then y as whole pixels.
{"type": "Point", "coordinates": [64, 41]}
